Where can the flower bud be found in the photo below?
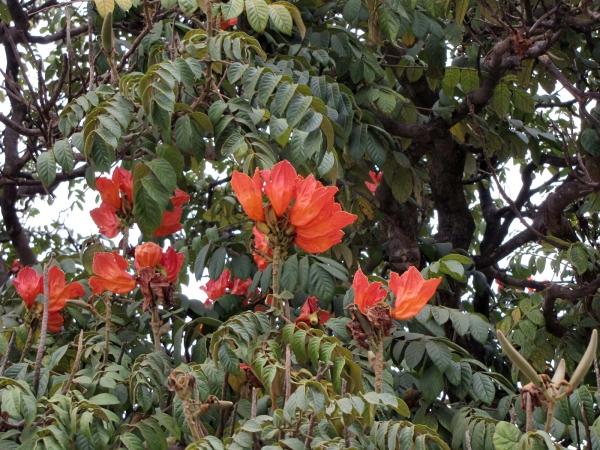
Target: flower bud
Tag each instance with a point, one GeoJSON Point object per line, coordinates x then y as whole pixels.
{"type": "Point", "coordinates": [263, 228]}
{"type": "Point", "coordinates": [271, 217]}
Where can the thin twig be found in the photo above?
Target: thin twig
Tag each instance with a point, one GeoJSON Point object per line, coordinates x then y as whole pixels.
{"type": "Point", "coordinates": [288, 374]}
{"type": "Point", "coordinates": [346, 429]}
{"type": "Point", "coordinates": [67, 386]}
{"type": "Point", "coordinates": [313, 417]}
{"type": "Point", "coordinates": [11, 342]}
{"type": "Point", "coordinates": [44, 330]}
{"type": "Point", "coordinates": [529, 413]}
{"type": "Point", "coordinates": [588, 437]}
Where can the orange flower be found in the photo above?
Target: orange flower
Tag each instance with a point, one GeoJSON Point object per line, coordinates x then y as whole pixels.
{"type": "Point", "coordinates": [170, 223]}
{"type": "Point", "coordinates": [412, 293]}
{"type": "Point", "coordinates": [311, 314]}
{"type": "Point", "coordinates": [172, 262]}
{"type": "Point", "coordinates": [249, 193]}
{"type": "Point", "coordinates": [106, 220]}
{"type": "Point", "coordinates": [261, 244]}
{"type": "Point", "coordinates": [29, 285]}
{"type": "Point", "coordinates": [376, 181]}
{"type": "Point", "coordinates": [114, 191]}
{"type": "Point", "coordinates": [113, 276]}
{"type": "Point", "coordinates": [147, 255]}
{"type": "Point", "coordinates": [60, 291]}
{"type": "Point", "coordinates": [366, 294]}
{"type": "Point", "coordinates": [316, 218]}
{"type": "Point", "coordinates": [217, 289]}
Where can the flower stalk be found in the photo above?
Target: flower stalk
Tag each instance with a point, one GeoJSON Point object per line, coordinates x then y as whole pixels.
{"type": "Point", "coordinates": [107, 325]}
{"type": "Point", "coordinates": [44, 330]}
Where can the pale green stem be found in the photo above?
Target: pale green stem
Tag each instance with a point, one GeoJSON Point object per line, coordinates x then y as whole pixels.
{"type": "Point", "coordinates": [107, 325]}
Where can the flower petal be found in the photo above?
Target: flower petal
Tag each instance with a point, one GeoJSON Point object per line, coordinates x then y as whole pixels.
{"type": "Point", "coordinates": [172, 262]}
{"type": "Point", "coordinates": [55, 321]}
{"type": "Point", "coordinates": [109, 191]}
{"type": "Point", "coordinates": [148, 254]}
{"type": "Point", "coordinates": [280, 183]}
{"type": "Point", "coordinates": [249, 193]}
{"type": "Point", "coordinates": [412, 292]}
{"type": "Point", "coordinates": [106, 220]}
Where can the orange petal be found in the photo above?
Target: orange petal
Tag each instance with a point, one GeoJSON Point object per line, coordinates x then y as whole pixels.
{"type": "Point", "coordinates": [412, 292]}
{"type": "Point", "coordinates": [360, 285]}
{"type": "Point", "coordinates": [249, 193]}
{"type": "Point", "coordinates": [109, 191]}
{"type": "Point", "coordinates": [55, 321]}
{"type": "Point", "coordinates": [170, 223]}
{"type": "Point", "coordinates": [335, 221]}
{"type": "Point", "coordinates": [313, 202]}
{"type": "Point", "coordinates": [319, 244]}
{"type": "Point", "coordinates": [106, 220]}
{"type": "Point", "coordinates": [280, 183]}
{"type": "Point", "coordinates": [172, 262]}
{"type": "Point", "coordinates": [124, 181]}
{"type": "Point", "coordinates": [148, 254]}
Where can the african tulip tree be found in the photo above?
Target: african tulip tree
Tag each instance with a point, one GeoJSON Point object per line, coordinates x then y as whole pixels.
{"type": "Point", "coordinates": [319, 224]}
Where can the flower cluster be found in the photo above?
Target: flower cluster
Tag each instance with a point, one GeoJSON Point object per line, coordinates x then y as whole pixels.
{"type": "Point", "coordinates": [156, 271]}
{"type": "Point", "coordinates": [115, 213]}
{"type": "Point", "coordinates": [411, 294]}
{"type": "Point", "coordinates": [311, 314]}
{"type": "Point", "coordinates": [29, 284]}
{"type": "Point", "coordinates": [300, 211]}
{"type": "Point", "coordinates": [216, 289]}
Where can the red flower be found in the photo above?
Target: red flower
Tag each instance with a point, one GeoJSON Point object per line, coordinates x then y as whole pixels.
{"type": "Point", "coordinates": [412, 293]}
{"type": "Point", "coordinates": [170, 223]}
{"type": "Point", "coordinates": [229, 23]}
{"type": "Point", "coordinates": [376, 180]}
{"type": "Point", "coordinates": [261, 244]}
{"type": "Point", "coordinates": [172, 262]}
{"type": "Point", "coordinates": [217, 289]}
{"type": "Point", "coordinates": [29, 285]}
{"type": "Point", "coordinates": [240, 287]}
{"type": "Point", "coordinates": [106, 220]}
{"type": "Point", "coordinates": [311, 314]}
{"type": "Point", "coordinates": [60, 291]}
{"type": "Point", "coordinates": [366, 294]}
{"type": "Point", "coordinates": [316, 218]}
{"type": "Point", "coordinates": [113, 276]}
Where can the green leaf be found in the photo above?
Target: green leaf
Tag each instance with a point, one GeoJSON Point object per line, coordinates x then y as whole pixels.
{"type": "Point", "coordinates": [414, 353]}
{"type": "Point", "coordinates": [451, 79]}
{"type": "Point", "coordinates": [469, 80]}
{"type": "Point", "coordinates": [46, 168]}
{"type": "Point", "coordinates": [104, 400]}
{"type": "Point", "coordinates": [289, 274]}
{"type": "Point", "coordinates": [147, 211]}
{"type": "Point", "coordinates": [351, 10]}
{"type": "Point", "coordinates": [321, 283]}
{"type": "Point", "coordinates": [216, 265]}
{"type": "Point", "coordinates": [402, 184]}
{"type": "Point", "coordinates": [64, 155]}
{"type": "Point", "coordinates": [297, 109]}
{"type": "Point", "coordinates": [483, 387]}
{"type": "Point", "coordinates": [241, 266]}
{"type": "Point", "coordinates": [523, 101]}
{"type": "Point", "coordinates": [501, 99]}
{"type": "Point", "coordinates": [201, 260]}
{"type": "Point", "coordinates": [232, 9]}
{"type": "Point", "coordinates": [281, 18]}
{"type": "Point", "coordinates": [257, 12]}
{"type": "Point", "coordinates": [478, 328]}
{"type": "Point", "coordinates": [579, 258]}
{"type": "Point", "coordinates": [420, 25]}
{"type": "Point", "coordinates": [187, 6]}
{"type": "Point", "coordinates": [298, 346]}
{"type": "Point", "coordinates": [591, 142]}
{"type": "Point", "coordinates": [461, 9]}
{"type": "Point", "coordinates": [228, 359]}
{"type": "Point", "coordinates": [506, 436]}
{"type": "Point", "coordinates": [164, 172]}
{"type": "Point", "coordinates": [132, 442]}
{"type": "Point", "coordinates": [439, 354]}
{"type": "Point", "coordinates": [432, 383]}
